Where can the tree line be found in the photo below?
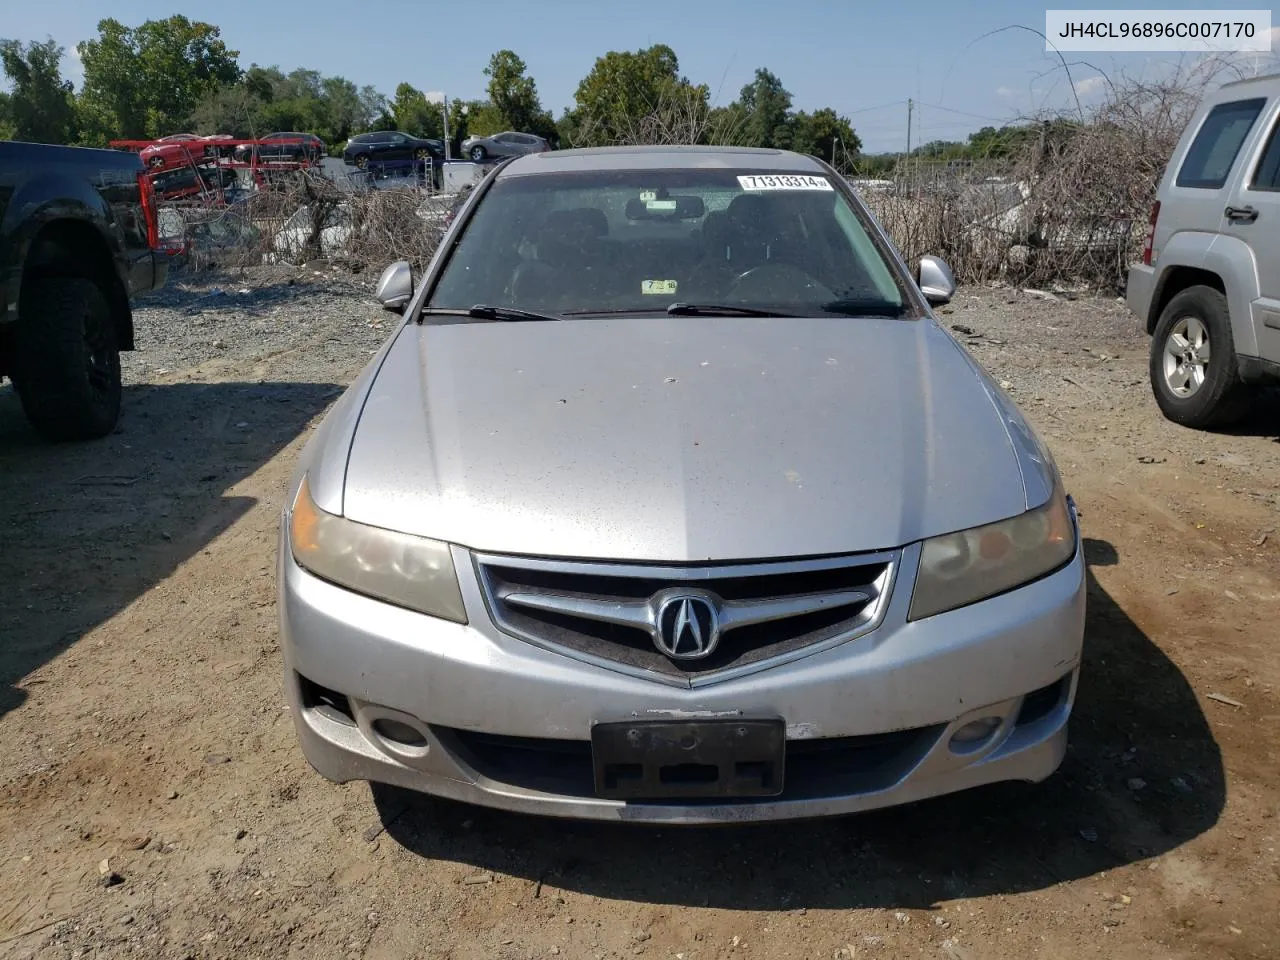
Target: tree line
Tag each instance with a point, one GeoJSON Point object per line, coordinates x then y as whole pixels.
{"type": "Point", "coordinates": [178, 75]}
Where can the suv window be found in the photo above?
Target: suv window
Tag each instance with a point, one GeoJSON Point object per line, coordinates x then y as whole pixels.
{"type": "Point", "coordinates": [1214, 149]}
{"type": "Point", "coordinates": [1267, 176]}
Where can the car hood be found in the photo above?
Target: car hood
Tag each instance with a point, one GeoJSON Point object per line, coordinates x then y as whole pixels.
{"type": "Point", "coordinates": [683, 439]}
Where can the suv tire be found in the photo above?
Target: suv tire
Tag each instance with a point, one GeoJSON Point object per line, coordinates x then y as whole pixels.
{"type": "Point", "coordinates": [67, 370]}
{"type": "Point", "coordinates": [1192, 363]}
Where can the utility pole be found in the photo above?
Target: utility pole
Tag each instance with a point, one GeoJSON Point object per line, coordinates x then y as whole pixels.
{"type": "Point", "coordinates": [444, 100]}
{"type": "Point", "coordinates": [910, 105]}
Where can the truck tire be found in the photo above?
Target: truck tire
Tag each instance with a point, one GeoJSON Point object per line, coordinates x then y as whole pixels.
{"type": "Point", "coordinates": [1192, 364]}
{"type": "Point", "coordinates": [67, 370]}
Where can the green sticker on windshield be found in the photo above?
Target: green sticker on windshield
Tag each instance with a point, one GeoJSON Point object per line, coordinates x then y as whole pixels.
{"type": "Point", "coordinates": [661, 287]}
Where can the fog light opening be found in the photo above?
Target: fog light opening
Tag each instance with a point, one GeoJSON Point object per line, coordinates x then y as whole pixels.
{"type": "Point", "coordinates": [399, 733]}
{"type": "Point", "coordinates": [327, 703]}
{"type": "Point", "coordinates": [975, 735]}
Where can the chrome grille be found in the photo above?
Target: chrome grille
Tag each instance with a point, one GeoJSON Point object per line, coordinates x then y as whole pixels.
{"type": "Point", "coordinates": [767, 612]}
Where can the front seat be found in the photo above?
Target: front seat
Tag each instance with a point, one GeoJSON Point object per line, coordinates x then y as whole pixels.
{"type": "Point", "coordinates": [567, 245]}
{"type": "Point", "coordinates": [751, 233]}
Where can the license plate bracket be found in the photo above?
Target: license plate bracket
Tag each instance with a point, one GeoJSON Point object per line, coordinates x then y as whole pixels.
{"type": "Point", "coordinates": [687, 759]}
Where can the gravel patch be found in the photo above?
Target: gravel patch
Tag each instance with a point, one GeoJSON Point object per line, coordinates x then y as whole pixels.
{"type": "Point", "coordinates": [246, 316]}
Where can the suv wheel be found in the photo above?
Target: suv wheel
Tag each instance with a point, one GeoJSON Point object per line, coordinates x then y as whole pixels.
{"type": "Point", "coordinates": [1193, 364]}
{"type": "Point", "coordinates": [67, 373]}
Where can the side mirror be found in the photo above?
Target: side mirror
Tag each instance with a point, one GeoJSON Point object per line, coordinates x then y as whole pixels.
{"type": "Point", "coordinates": [395, 286]}
{"type": "Point", "coordinates": [937, 282]}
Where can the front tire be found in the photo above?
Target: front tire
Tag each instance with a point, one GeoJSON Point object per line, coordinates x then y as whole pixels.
{"type": "Point", "coordinates": [67, 373]}
{"type": "Point", "coordinates": [361, 161]}
{"type": "Point", "coordinates": [478, 154]}
{"type": "Point", "coordinates": [1192, 363]}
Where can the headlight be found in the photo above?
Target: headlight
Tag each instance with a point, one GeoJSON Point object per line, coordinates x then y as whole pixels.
{"type": "Point", "coordinates": [399, 568]}
{"type": "Point", "coordinates": [957, 569]}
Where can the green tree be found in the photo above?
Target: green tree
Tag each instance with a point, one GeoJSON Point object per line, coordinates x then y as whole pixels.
{"type": "Point", "coordinates": [484, 119]}
{"type": "Point", "coordinates": [415, 114]}
{"type": "Point", "coordinates": [373, 109]}
{"type": "Point", "coordinates": [235, 110]}
{"type": "Point", "coordinates": [765, 106]}
{"type": "Point", "coordinates": [470, 118]}
{"type": "Point", "coordinates": [111, 97]}
{"type": "Point", "coordinates": [41, 108]}
{"type": "Point", "coordinates": [941, 150]}
{"type": "Point", "coordinates": [6, 116]}
{"type": "Point", "coordinates": [266, 99]}
{"type": "Point", "coordinates": [727, 126]}
{"type": "Point", "coordinates": [294, 100]}
{"type": "Point", "coordinates": [876, 165]}
{"type": "Point", "coordinates": [567, 128]}
{"type": "Point", "coordinates": [344, 113]}
{"type": "Point", "coordinates": [514, 96]}
{"type": "Point", "coordinates": [817, 133]}
{"type": "Point", "coordinates": [1000, 142]}
{"type": "Point", "coordinates": [146, 81]}
{"type": "Point", "coordinates": [631, 97]}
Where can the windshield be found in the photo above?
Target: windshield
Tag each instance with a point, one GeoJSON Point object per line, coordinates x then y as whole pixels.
{"type": "Point", "coordinates": [638, 241]}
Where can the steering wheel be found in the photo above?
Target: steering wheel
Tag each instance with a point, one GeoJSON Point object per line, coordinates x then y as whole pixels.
{"type": "Point", "coordinates": [779, 282]}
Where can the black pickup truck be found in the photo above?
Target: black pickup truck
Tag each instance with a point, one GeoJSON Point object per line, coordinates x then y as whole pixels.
{"type": "Point", "coordinates": [78, 239]}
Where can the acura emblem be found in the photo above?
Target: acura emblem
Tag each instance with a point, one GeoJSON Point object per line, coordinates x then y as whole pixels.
{"type": "Point", "coordinates": [686, 625]}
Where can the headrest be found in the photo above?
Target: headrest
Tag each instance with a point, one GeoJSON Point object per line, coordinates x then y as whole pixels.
{"type": "Point", "coordinates": [749, 209]}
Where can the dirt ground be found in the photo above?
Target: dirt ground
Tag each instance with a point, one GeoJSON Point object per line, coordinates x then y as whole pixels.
{"type": "Point", "coordinates": [145, 732]}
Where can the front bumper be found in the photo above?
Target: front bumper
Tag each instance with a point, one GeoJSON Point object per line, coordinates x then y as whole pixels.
{"type": "Point", "coordinates": [503, 723]}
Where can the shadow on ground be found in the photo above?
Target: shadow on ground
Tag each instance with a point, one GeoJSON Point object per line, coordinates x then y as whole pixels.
{"type": "Point", "coordinates": [1263, 419]}
{"type": "Point", "coordinates": [1135, 717]}
{"type": "Point", "coordinates": [88, 527]}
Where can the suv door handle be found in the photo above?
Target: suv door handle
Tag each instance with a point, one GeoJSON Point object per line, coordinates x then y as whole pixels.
{"type": "Point", "coordinates": [1241, 214]}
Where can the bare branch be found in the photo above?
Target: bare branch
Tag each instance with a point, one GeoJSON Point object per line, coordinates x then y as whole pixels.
{"type": "Point", "coordinates": [1069, 206]}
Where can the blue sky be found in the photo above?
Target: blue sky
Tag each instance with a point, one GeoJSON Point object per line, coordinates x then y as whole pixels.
{"type": "Point", "coordinates": [861, 59]}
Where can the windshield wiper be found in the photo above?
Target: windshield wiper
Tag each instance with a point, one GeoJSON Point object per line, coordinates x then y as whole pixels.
{"type": "Point", "coordinates": [864, 308]}
{"type": "Point", "coordinates": [483, 311]}
{"type": "Point", "coordinates": [719, 310]}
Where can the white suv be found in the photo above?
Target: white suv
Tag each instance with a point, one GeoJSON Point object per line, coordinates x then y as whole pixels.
{"type": "Point", "coordinates": [1208, 287]}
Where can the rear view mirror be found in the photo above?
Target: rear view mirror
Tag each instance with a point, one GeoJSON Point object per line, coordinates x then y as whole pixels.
{"type": "Point", "coordinates": [395, 286]}
{"type": "Point", "coordinates": [936, 281]}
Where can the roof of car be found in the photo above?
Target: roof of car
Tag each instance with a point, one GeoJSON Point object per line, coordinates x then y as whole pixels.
{"type": "Point", "coordinates": [1265, 79]}
{"type": "Point", "coordinates": [670, 157]}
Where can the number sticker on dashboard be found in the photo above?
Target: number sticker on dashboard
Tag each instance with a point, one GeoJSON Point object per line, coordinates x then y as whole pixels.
{"type": "Point", "coordinates": [784, 181]}
{"type": "Point", "coordinates": [660, 287]}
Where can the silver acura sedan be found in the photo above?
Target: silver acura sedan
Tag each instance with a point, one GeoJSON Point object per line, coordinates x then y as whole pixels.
{"type": "Point", "coordinates": [671, 501]}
